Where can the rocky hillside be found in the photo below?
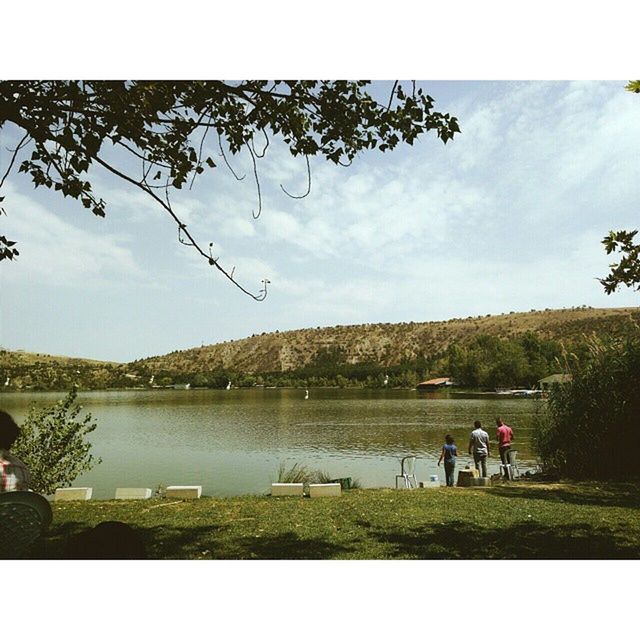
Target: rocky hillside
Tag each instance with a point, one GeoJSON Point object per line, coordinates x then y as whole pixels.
{"type": "Point", "coordinates": [326, 356]}
{"type": "Point", "coordinates": [384, 344]}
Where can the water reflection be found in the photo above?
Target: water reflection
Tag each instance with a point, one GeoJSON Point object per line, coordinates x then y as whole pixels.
{"type": "Point", "coordinates": [232, 442]}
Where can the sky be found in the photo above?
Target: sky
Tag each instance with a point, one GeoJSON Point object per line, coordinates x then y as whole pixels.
{"type": "Point", "coordinates": [509, 216]}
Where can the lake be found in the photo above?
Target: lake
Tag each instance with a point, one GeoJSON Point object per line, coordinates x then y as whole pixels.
{"type": "Point", "coordinates": [232, 442]}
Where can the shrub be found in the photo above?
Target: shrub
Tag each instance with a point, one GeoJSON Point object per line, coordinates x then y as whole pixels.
{"type": "Point", "coordinates": [590, 428]}
{"type": "Point", "coordinates": [52, 444]}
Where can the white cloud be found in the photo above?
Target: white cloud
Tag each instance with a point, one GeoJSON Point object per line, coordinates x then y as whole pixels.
{"type": "Point", "coordinates": [280, 225]}
{"type": "Point", "coordinates": [237, 228]}
{"type": "Point", "coordinates": [542, 142]}
{"type": "Point", "coordinates": [253, 268]}
{"type": "Point", "coordinates": [330, 300]}
{"type": "Point", "coordinates": [57, 253]}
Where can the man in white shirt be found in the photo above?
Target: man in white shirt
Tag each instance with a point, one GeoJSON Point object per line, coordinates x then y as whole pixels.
{"type": "Point", "coordinates": [479, 447]}
{"type": "Point", "coordinates": [14, 475]}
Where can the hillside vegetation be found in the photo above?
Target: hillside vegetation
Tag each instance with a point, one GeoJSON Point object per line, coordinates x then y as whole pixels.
{"type": "Point", "coordinates": [386, 344]}
{"type": "Point", "coordinates": [41, 372]}
{"type": "Point", "coordinates": [509, 349]}
{"type": "Point", "coordinates": [514, 348]}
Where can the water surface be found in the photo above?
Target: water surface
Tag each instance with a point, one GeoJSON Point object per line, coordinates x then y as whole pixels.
{"type": "Point", "coordinates": [232, 442]}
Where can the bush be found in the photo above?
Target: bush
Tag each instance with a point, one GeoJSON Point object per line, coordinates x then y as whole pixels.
{"type": "Point", "coordinates": [52, 444]}
{"type": "Point", "coordinates": [591, 428]}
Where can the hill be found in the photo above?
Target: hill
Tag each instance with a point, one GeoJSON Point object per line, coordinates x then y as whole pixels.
{"type": "Point", "coordinates": [386, 344]}
{"type": "Point", "coordinates": [38, 371]}
{"type": "Point", "coordinates": [507, 349]}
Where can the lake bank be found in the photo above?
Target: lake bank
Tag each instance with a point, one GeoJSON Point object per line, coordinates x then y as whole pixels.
{"type": "Point", "coordinates": [522, 520]}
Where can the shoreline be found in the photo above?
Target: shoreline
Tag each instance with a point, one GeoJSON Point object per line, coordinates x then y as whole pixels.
{"type": "Point", "coordinates": [420, 394]}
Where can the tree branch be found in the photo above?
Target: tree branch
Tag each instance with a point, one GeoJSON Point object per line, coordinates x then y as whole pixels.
{"type": "Point", "coordinates": [395, 84]}
{"type": "Point", "coordinates": [304, 195]}
{"type": "Point", "coordinates": [235, 175]}
{"type": "Point", "coordinates": [138, 155]}
{"type": "Point", "coordinates": [26, 138]}
{"type": "Point", "coordinates": [261, 295]}
{"type": "Point", "coordinates": [199, 163]}
{"type": "Point", "coordinates": [255, 173]}
{"type": "Point", "coordinates": [266, 146]}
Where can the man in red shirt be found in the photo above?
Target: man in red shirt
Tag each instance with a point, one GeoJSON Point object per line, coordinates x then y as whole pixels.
{"type": "Point", "coordinates": [504, 435]}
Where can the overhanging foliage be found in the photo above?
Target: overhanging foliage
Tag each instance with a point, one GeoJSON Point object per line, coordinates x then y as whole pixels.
{"type": "Point", "coordinates": [69, 126]}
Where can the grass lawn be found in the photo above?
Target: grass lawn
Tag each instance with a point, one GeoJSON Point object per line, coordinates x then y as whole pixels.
{"type": "Point", "coordinates": [519, 520]}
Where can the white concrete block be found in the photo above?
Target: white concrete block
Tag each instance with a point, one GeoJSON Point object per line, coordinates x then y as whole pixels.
{"type": "Point", "coordinates": [181, 492]}
{"type": "Point", "coordinates": [325, 490]}
{"type": "Point", "coordinates": [73, 493]}
{"type": "Point", "coordinates": [287, 489]}
{"type": "Point", "coordinates": [133, 494]}
{"type": "Point", "coordinates": [430, 484]}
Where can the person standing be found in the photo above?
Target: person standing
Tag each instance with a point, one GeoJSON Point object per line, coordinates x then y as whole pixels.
{"type": "Point", "coordinates": [449, 452]}
{"type": "Point", "coordinates": [479, 448]}
{"type": "Point", "coordinates": [14, 475]}
{"type": "Point", "coordinates": [504, 436]}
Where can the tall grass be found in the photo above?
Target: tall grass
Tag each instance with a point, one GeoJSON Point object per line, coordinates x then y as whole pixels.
{"type": "Point", "coordinates": [295, 473]}
{"type": "Point", "coordinates": [321, 477]}
{"type": "Point", "coordinates": [591, 428]}
{"type": "Point", "coordinates": [300, 473]}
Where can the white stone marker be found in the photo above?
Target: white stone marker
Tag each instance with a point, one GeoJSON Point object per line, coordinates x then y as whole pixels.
{"type": "Point", "coordinates": [187, 493]}
{"type": "Point", "coordinates": [73, 493]}
{"type": "Point", "coordinates": [287, 489]}
{"type": "Point", "coordinates": [133, 494]}
{"type": "Point", "coordinates": [325, 490]}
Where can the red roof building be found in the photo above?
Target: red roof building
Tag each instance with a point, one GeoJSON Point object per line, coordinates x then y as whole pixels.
{"type": "Point", "coordinates": [434, 383]}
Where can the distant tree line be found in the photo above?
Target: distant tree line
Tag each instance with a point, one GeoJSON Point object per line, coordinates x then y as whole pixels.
{"type": "Point", "coordinates": [489, 362]}
{"type": "Point", "coordinates": [482, 362]}
{"type": "Point", "coordinates": [51, 375]}
{"type": "Point", "coordinates": [485, 362]}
